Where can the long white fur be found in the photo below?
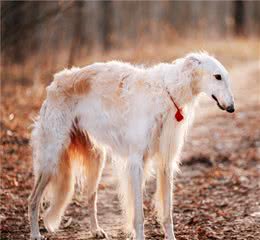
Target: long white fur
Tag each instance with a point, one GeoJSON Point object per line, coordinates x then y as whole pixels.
{"type": "Point", "coordinates": [127, 111]}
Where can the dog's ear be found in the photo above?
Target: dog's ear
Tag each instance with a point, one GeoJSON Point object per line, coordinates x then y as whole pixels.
{"type": "Point", "coordinates": [190, 63]}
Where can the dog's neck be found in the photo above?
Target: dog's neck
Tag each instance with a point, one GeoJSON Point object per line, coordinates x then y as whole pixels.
{"type": "Point", "coordinates": [182, 94]}
{"type": "Point", "coordinates": [183, 87]}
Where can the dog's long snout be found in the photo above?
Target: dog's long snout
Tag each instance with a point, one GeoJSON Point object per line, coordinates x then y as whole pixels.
{"type": "Point", "coordinates": [231, 108]}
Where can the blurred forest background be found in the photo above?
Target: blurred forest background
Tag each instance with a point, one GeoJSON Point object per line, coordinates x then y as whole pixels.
{"type": "Point", "coordinates": [39, 38]}
{"type": "Point", "coordinates": [217, 194]}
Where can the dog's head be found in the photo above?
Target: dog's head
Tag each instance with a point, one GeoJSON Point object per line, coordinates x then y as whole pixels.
{"type": "Point", "coordinates": [210, 76]}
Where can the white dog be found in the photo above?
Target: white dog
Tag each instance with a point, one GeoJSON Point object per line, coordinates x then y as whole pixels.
{"type": "Point", "coordinates": [136, 114]}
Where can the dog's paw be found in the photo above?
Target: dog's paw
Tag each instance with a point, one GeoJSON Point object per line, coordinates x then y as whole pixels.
{"type": "Point", "coordinates": [38, 237]}
{"type": "Point", "coordinates": [99, 233]}
{"type": "Point", "coordinates": [168, 231]}
{"type": "Point", "coordinates": [130, 236]}
{"type": "Point", "coordinates": [167, 238]}
{"type": "Point", "coordinates": [171, 237]}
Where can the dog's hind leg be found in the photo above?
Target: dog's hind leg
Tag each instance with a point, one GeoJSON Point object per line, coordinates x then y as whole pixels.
{"type": "Point", "coordinates": [94, 164]}
{"type": "Point", "coordinates": [96, 231]}
{"type": "Point", "coordinates": [34, 203]}
{"type": "Point", "coordinates": [91, 159]}
{"type": "Point", "coordinates": [61, 189]}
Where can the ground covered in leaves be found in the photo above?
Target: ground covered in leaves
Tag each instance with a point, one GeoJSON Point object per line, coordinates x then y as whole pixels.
{"type": "Point", "coordinates": [216, 196]}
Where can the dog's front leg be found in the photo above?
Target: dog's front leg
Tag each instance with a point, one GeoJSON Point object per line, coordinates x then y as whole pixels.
{"type": "Point", "coordinates": [164, 198]}
{"type": "Point", "coordinates": [135, 168]}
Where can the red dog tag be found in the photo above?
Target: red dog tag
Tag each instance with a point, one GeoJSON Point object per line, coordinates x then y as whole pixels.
{"type": "Point", "coordinates": [178, 115]}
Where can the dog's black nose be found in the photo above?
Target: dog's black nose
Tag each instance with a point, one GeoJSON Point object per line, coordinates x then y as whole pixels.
{"type": "Point", "coordinates": [231, 108]}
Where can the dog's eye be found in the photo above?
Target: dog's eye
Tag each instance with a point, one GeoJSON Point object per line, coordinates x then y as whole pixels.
{"type": "Point", "coordinates": [218, 76]}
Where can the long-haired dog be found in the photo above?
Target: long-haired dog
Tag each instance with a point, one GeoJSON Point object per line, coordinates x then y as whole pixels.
{"type": "Point", "coordinates": [136, 114]}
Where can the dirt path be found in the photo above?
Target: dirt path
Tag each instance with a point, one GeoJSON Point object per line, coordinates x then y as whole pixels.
{"type": "Point", "coordinates": [216, 196]}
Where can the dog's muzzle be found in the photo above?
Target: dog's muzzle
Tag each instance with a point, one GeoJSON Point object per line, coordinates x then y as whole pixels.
{"type": "Point", "coordinates": [229, 109]}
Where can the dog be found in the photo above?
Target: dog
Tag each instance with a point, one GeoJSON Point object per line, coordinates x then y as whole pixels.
{"type": "Point", "coordinates": [135, 114]}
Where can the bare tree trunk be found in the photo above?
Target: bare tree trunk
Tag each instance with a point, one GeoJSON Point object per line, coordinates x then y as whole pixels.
{"type": "Point", "coordinates": [106, 24]}
{"type": "Point", "coordinates": [239, 17]}
{"type": "Point", "coordinates": [78, 32]}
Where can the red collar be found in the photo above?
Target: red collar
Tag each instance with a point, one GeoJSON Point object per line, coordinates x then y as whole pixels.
{"type": "Point", "coordinates": [178, 115]}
